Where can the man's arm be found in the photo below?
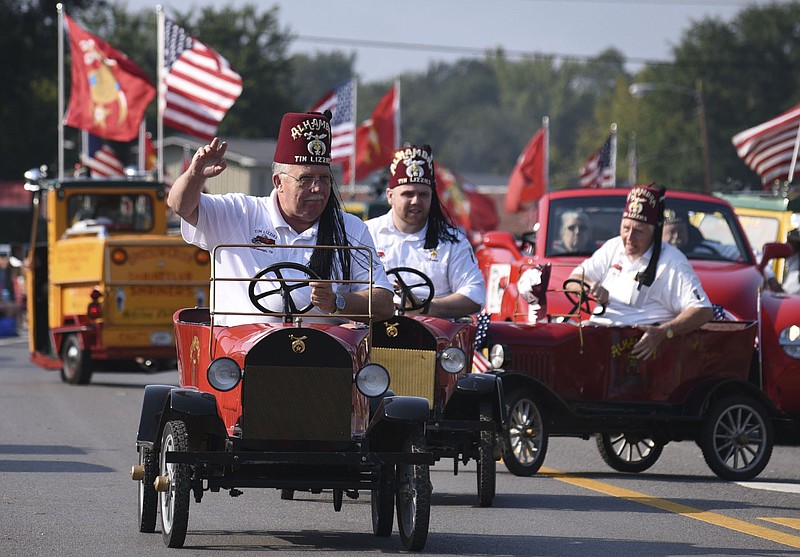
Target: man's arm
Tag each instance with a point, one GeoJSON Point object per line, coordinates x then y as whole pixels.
{"type": "Point", "coordinates": [451, 306]}
{"type": "Point", "coordinates": [184, 195]}
{"type": "Point", "coordinates": [323, 297]}
{"type": "Point", "coordinates": [688, 320]}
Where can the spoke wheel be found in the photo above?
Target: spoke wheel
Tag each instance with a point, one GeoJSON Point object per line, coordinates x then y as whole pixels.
{"type": "Point", "coordinates": [174, 503]}
{"type": "Point", "coordinates": [526, 444]}
{"type": "Point", "coordinates": [383, 503]}
{"type": "Point", "coordinates": [736, 438]}
{"type": "Point", "coordinates": [148, 497]}
{"type": "Point", "coordinates": [487, 465]}
{"type": "Point", "coordinates": [628, 452]}
{"type": "Point", "coordinates": [413, 497]}
{"type": "Point", "coordinates": [75, 362]}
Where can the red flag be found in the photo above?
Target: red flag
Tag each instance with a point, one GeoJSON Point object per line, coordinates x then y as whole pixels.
{"type": "Point", "coordinates": [528, 180]}
{"type": "Point", "coordinates": [150, 153]}
{"type": "Point", "coordinates": [472, 210]}
{"type": "Point", "coordinates": [101, 160]}
{"type": "Point", "coordinates": [109, 92]}
{"type": "Point", "coordinates": [340, 101]}
{"type": "Point", "coordinates": [200, 85]}
{"type": "Point", "coordinates": [600, 170]}
{"type": "Point", "coordinates": [376, 138]}
{"type": "Point", "coordinates": [768, 148]}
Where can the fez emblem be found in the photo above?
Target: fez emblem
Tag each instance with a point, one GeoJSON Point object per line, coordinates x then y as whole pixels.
{"type": "Point", "coordinates": [316, 146]}
{"type": "Point", "coordinates": [298, 346]}
{"type": "Point", "coordinates": [391, 330]}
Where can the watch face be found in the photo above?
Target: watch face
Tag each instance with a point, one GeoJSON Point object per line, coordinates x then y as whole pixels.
{"type": "Point", "coordinates": [339, 302]}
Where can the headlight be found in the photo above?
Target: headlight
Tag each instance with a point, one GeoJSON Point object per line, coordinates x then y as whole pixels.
{"type": "Point", "coordinates": [790, 341]}
{"type": "Point", "coordinates": [498, 356]}
{"type": "Point", "coordinates": [453, 360]}
{"type": "Point", "coordinates": [224, 374]}
{"type": "Point", "coordinates": [372, 380]}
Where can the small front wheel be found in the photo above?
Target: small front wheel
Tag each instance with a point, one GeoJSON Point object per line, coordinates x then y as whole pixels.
{"type": "Point", "coordinates": [174, 502]}
{"type": "Point", "coordinates": [736, 438]}
{"type": "Point", "coordinates": [526, 444]}
{"type": "Point", "coordinates": [487, 465]}
{"type": "Point", "coordinates": [628, 452]}
{"type": "Point", "coordinates": [148, 498]}
{"type": "Point", "coordinates": [413, 496]}
{"type": "Point", "coordinates": [383, 503]}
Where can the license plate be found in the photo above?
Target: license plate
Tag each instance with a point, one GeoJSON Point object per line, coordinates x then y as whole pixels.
{"type": "Point", "coordinates": [160, 338]}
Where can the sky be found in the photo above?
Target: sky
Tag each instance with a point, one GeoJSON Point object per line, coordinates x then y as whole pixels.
{"type": "Point", "coordinates": [392, 37]}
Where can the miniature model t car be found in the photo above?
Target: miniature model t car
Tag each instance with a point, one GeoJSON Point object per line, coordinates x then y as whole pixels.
{"type": "Point", "coordinates": [282, 405]}
{"type": "Point", "coordinates": [431, 357]}
{"type": "Point", "coordinates": [562, 379]}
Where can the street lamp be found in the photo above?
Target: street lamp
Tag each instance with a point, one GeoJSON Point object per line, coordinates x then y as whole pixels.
{"type": "Point", "coordinates": [640, 89]}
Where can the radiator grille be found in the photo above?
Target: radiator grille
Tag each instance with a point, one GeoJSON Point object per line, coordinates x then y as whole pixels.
{"type": "Point", "coordinates": [412, 372]}
{"type": "Point", "coordinates": [296, 403]}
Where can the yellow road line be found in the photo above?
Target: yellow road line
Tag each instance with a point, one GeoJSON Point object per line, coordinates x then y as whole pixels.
{"type": "Point", "coordinates": [669, 506]}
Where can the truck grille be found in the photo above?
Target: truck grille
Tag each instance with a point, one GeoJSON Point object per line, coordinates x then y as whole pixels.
{"type": "Point", "coordinates": [296, 403]}
{"type": "Point", "coordinates": [412, 372]}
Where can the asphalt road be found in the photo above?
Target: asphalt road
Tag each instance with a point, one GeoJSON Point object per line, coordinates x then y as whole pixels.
{"type": "Point", "coordinates": [65, 454]}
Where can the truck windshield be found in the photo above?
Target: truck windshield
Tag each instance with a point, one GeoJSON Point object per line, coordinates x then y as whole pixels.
{"type": "Point", "coordinates": [130, 212]}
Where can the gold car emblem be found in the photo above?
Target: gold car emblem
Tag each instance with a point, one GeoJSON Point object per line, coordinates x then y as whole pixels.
{"type": "Point", "coordinates": [298, 346]}
{"type": "Point", "coordinates": [391, 330]}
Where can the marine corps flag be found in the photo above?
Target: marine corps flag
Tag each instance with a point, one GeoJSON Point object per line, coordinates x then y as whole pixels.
{"type": "Point", "coordinates": [109, 92]}
{"type": "Point", "coordinates": [377, 137]}
{"type": "Point", "coordinates": [528, 180]}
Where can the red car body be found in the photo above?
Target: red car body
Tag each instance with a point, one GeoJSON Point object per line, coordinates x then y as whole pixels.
{"type": "Point", "coordinates": [580, 380]}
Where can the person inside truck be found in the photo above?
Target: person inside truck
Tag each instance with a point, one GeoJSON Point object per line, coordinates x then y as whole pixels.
{"type": "Point", "coordinates": [643, 282]}
{"type": "Point", "coordinates": [417, 232]}
{"type": "Point", "coordinates": [685, 236]}
{"type": "Point", "coordinates": [574, 235]}
{"type": "Point", "coordinates": [303, 210]}
{"type": "Point", "coordinates": [791, 270]}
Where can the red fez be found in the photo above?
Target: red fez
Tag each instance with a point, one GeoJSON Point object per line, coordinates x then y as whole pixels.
{"type": "Point", "coordinates": [304, 138]}
{"type": "Point", "coordinates": [642, 205]}
{"type": "Point", "coordinates": [412, 165]}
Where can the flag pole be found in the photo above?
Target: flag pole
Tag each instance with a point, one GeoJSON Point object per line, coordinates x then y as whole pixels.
{"type": "Point", "coordinates": [355, 138]}
{"type": "Point", "coordinates": [546, 126]}
{"type": "Point", "coordinates": [60, 10]}
{"type": "Point", "coordinates": [397, 135]}
{"type": "Point", "coordinates": [161, 91]}
{"type": "Point", "coordinates": [794, 155]}
{"type": "Point", "coordinates": [613, 155]}
{"type": "Point", "coordinates": [632, 161]}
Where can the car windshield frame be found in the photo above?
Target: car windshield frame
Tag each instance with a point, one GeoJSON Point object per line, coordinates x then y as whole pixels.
{"type": "Point", "coordinates": [604, 213]}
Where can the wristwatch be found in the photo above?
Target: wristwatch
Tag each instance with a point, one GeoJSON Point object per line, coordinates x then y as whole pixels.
{"type": "Point", "coordinates": [670, 332]}
{"type": "Point", "coordinates": [339, 303]}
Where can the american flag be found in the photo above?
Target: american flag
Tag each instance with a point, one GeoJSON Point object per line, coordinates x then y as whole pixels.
{"type": "Point", "coordinates": [101, 160]}
{"type": "Point", "coordinates": [480, 364]}
{"type": "Point", "coordinates": [768, 148]}
{"type": "Point", "coordinates": [340, 101]}
{"type": "Point", "coordinates": [199, 85]}
{"type": "Point", "coordinates": [600, 171]}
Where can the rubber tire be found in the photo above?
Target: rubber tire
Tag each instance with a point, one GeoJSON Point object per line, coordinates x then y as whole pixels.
{"type": "Point", "coordinates": [382, 502]}
{"type": "Point", "coordinates": [614, 447]}
{"type": "Point", "coordinates": [148, 497]}
{"type": "Point", "coordinates": [174, 504]}
{"type": "Point", "coordinates": [75, 362]}
{"type": "Point", "coordinates": [728, 428]}
{"type": "Point", "coordinates": [413, 496]}
{"type": "Point", "coordinates": [487, 465]}
{"type": "Point", "coordinates": [526, 433]}
{"type": "Point", "coordinates": [287, 494]}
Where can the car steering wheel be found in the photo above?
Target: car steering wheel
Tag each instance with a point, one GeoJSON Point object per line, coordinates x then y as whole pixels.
{"type": "Point", "coordinates": [581, 301]}
{"type": "Point", "coordinates": [409, 302]}
{"type": "Point", "coordinates": [284, 289]}
{"type": "Point", "coordinates": [700, 248]}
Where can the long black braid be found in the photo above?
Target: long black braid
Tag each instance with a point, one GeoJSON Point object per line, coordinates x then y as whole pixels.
{"type": "Point", "coordinates": [440, 224]}
{"type": "Point", "coordinates": [331, 232]}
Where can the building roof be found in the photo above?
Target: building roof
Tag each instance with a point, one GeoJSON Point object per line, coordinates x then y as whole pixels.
{"type": "Point", "coordinates": [245, 152]}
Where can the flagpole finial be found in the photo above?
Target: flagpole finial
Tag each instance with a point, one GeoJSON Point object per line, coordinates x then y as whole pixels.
{"type": "Point", "coordinates": [59, 7]}
{"type": "Point", "coordinates": [545, 120]}
{"type": "Point", "coordinates": [613, 127]}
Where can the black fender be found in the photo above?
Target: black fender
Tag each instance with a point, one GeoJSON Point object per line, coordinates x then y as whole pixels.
{"type": "Point", "coordinates": [481, 383]}
{"type": "Point", "coordinates": [394, 419]}
{"type": "Point", "coordinates": [476, 387]}
{"type": "Point", "coordinates": [188, 403]}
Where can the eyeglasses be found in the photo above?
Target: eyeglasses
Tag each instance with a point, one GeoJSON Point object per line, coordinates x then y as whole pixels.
{"type": "Point", "coordinates": [578, 227]}
{"type": "Point", "coordinates": [306, 182]}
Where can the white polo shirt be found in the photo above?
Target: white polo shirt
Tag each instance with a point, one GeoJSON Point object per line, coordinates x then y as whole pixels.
{"type": "Point", "coordinates": [235, 218]}
{"type": "Point", "coordinates": [675, 288]}
{"type": "Point", "coordinates": [452, 267]}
